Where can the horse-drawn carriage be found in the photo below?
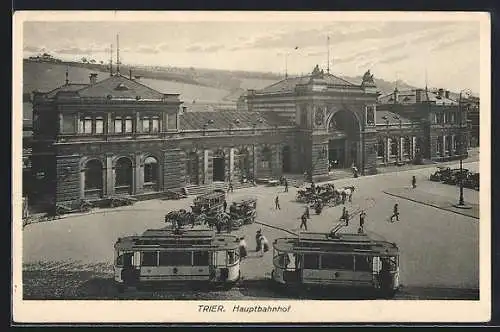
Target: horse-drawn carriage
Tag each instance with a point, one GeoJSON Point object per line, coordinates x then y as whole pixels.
{"type": "Point", "coordinates": [455, 175]}
{"type": "Point", "coordinates": [472, 181]}
{"type": "Point", "coordinates": [203, 203]}
{"type": "Point", "coordinates": [244, 209]}
{"type": "Point", "coordinates": [183, 218]}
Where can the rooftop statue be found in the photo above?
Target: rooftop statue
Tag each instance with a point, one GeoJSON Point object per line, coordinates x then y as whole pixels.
{"type": "Point", "coordinates": [368, 78]}
{"type": "Point", "coordinates": [317, 72]}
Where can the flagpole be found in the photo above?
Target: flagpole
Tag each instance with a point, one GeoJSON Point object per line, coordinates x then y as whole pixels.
{"type": "Point", "coordinates": [328, 54]}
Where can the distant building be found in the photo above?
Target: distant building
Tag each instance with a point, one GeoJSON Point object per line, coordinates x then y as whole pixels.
{"type": "Point", "coordinates": [432, 118]}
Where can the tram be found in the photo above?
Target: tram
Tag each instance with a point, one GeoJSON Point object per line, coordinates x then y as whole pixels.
{"type": "Point", "coordinates": [194, 257]}
{"type": "Point", "coordinates": [341, 260]}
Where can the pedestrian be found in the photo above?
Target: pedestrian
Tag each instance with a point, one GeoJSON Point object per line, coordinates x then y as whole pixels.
{"type": "Point", "coordinates": [344, 196]}
{"type": "Point", "coordinates": [414, 182]}
{"type": "Point", "coordinates": [218, 226]}
{"type": "Point", "coordinates": [303, 221]}
{"type": "Point", "coordinates": [306, 213]}
{"type": "Point", "coordinates": [225, 205]}
{"type": "Point", "coordinates": [257, 240]}
{"type": "Point", "coordinates": [242, 247]}
{"type": "Point", "coordinates": [360, 230]}
{"type": "Point", "coordinates": [395, 213]}
{"type": "Point", "coordinates": [231, 189]}
{"type": "Point", "coordinates": [277, 203]}
{"type": "Point", "coordinates": [362, 216]}
{"type": "Point", "coordinates": [286, 186]}
{"type": "Point", "coordinates": [345, 216]}
{"type": "Point", "coordinates": [229, 223]}
{"type": "Point", "coordinates": [264, 245]}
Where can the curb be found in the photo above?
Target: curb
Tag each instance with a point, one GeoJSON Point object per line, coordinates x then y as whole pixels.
{"type": "Point", "coordinates": [428, 204]}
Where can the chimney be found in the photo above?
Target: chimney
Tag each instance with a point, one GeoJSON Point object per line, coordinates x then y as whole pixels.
{"type": "Point", "coordinates": [447, 94]}
{"type": "Point", "coordinates": [130, 73]}
{"type": "Point", "coordinates": [396, 95]}
{"type": "Point", "coordinates": [441, 92]}
{"type": "Point", "coordinates": [93, 78]}
{"type": "Point", "coordinates": [419, 95]}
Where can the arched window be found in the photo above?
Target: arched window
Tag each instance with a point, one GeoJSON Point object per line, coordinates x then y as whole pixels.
{"type": "Point", "coordinates": [407, 145]}
{"type": "Point", "coordinates": [394, 146]}
{"type": "Point", "coordinates": [150, 170]}
{"type": "Point", "coordinates": [266, 158]}
{"type": "Point", "coordinates": [380, 148]}
{"type": "Point", "coordinates": [123, 176]}
{"type": "Point", "coordinates": [93, 178]}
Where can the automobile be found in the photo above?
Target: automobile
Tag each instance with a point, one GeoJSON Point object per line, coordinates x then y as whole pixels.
{"type": "Point", "coordinates": [440, 174]}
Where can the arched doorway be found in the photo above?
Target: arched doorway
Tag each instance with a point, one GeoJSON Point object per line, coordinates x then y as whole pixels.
{"type": "Point", "coordinates": [219, 166]}
{"type": "Point", "coordinates": [244, 163]}
{"type": "Point", "coordinates": [343, 145]}
{"type": "Point", "coordinates": [286, 162]}
{"type": "Point", "coordinates": [93, 179]}
{"type": "Point", "coordinates": [151, 174]}
{"type": "Point", "coordinates": [123, 176]}
{"type": "Point", "coordinates": [192, 168]}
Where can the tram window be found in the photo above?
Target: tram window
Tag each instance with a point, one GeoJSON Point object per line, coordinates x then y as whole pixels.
{"type": "Point", "coordinates": [169, 258]}
{"type": "Point", "coordinates": [342, 262]}
{"type": "Point", "coordinates": [149, 258]}
{"type": "Point", "coordinates": [363, 263]}
{"type": "Point", "coordinates": [231, 257]}
{"type": "Point", "coordinates": [124, 259]}
{"type": "Point", "coordinates": [311, 261]}
{"type": "Point", "coordinates": [200, 258]}
{"type": "Point", "coordinates": [389, 263]}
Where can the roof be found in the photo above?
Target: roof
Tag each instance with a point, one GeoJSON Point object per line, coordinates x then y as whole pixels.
{"type": "Point", "coordinates": [341, 242]}
{"type": "Point", "coordinates": [116, 86]}
{"type": "Point", "coordinates": [289, 84]}
{"type": "Point", "coordinates": [393, 118]}
{"type": "Point", "coordinates": [232, 119]}
{"type": "Point", "coordinates": [410, 97]}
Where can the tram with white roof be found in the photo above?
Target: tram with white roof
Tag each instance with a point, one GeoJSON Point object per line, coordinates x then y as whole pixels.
{"type": "Point", "coordinates": [176, 255]}
{"type": "Point", "coordinates": [339, 260]}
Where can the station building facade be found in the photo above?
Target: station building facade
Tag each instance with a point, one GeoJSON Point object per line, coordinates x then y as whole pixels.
{"type": "Point", "coordinates": [117, 136]}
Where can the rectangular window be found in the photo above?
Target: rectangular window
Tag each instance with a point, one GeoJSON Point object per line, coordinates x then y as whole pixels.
{"type": "Point", "coordinates": [150, 258]}
{"type": "Point", "coordinates": [118, 125]}
{"type": "Point", "coordinates": [87, 126]}
{"type": "Point", "coordinates": [99, 125]}
{"type": "Point", "coordinates": [341, 262]}
{"type": "Point", "coordinates": [172, 121]}
{"type": "Point", "coordinates": [265, 164]}
{"type": "Point", "coordinates": [452, 118]}
{"type": "Point", "coordinates": [311, 261]}
{"type": "Point", "coordinates": [155, 125]}
{"type": "Point", "coordinates": [170, 258]}
{"type": "Point", "coordinates": [145, 125]}
{"type": "Point", "coordinates": [200, 258]}
{"type": "Point", "coordinates": [68, 123]}
{"type": "Point", "coordinates": [128, 125]}
{"type": "Point", "coordinates": [445, 117]}
{"type": "Point", "coordinates": [232, 257]}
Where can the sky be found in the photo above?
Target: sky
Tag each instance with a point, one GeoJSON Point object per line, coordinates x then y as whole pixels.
{"type": "Point", "coordinates": [448, 51]}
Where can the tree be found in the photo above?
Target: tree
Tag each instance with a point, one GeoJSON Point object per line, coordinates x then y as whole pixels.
{"type": "Point", "coordinates": [84, 60]}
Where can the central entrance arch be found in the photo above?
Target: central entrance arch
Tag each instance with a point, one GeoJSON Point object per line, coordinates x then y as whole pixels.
{"type": "Point", "coordinates": [343, 146]}
{"type": "Point", "coordinates": [219, 166]}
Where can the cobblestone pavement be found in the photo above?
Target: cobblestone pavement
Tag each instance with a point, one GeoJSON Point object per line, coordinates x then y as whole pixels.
{"type": "Point", "coordinates": [72, 257]}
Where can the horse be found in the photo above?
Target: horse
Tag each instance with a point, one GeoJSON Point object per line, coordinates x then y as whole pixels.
{"type": "Point", "coordinates": [347, 191]}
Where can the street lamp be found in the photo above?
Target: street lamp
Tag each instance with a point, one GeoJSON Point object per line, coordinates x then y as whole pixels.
{"type": "Point", "coordinates": [461, 203]}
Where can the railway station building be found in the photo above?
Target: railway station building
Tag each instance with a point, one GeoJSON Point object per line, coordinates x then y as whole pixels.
{"type": "Point", "coordinates": [116, 136]}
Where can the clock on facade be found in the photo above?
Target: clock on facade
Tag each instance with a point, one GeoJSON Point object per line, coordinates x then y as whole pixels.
{"type": "Point", "coordinates": [319, 116]}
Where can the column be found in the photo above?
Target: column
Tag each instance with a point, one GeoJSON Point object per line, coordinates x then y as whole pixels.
{"type": "Point", "coordinates": [443, 150]}
{"type": "Point", "coordinates": [387, 150]}
{"type": "Point", "coordinates": [231, 164]}
{"type": "Point", "coordinates": [277, 168]}
{"type": "Point", "coordinates": [110, 129]}
{"type": "Point", "coordinates": [347, 157]}
{"type": "Point", "coordinates": [138, 174]}
{"type": "Point", "coordinates": [82, 184]}
{"type": "Point", "coordinates": [400, 150]}
{"type": "Point", "coordinates": [137, 122]}
{"type": "Point", "coordinates": [205, 167]}
{"type": "Point", "coordinates": [110, 181]}
{"type": "Point", "coordinates": [413, 146]}
{"type": "Point", "coordinates": [453, 145]}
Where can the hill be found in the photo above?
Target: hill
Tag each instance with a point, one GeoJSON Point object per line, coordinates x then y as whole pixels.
{"type": "Point", "coordinates": [205, 86]}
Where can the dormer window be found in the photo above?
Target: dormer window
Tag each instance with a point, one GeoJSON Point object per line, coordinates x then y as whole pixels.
{"type": "Point", "coordinates": [121, 86]}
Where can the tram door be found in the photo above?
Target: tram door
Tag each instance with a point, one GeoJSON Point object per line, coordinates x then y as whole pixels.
{"type": "Point", "coordinates": [220, 263]}
{"type": "Point", "coordinates": [293, 268]}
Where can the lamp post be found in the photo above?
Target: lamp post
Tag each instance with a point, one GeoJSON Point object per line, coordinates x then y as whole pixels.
{"type": "Point", "coordinates": [461, 203]}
